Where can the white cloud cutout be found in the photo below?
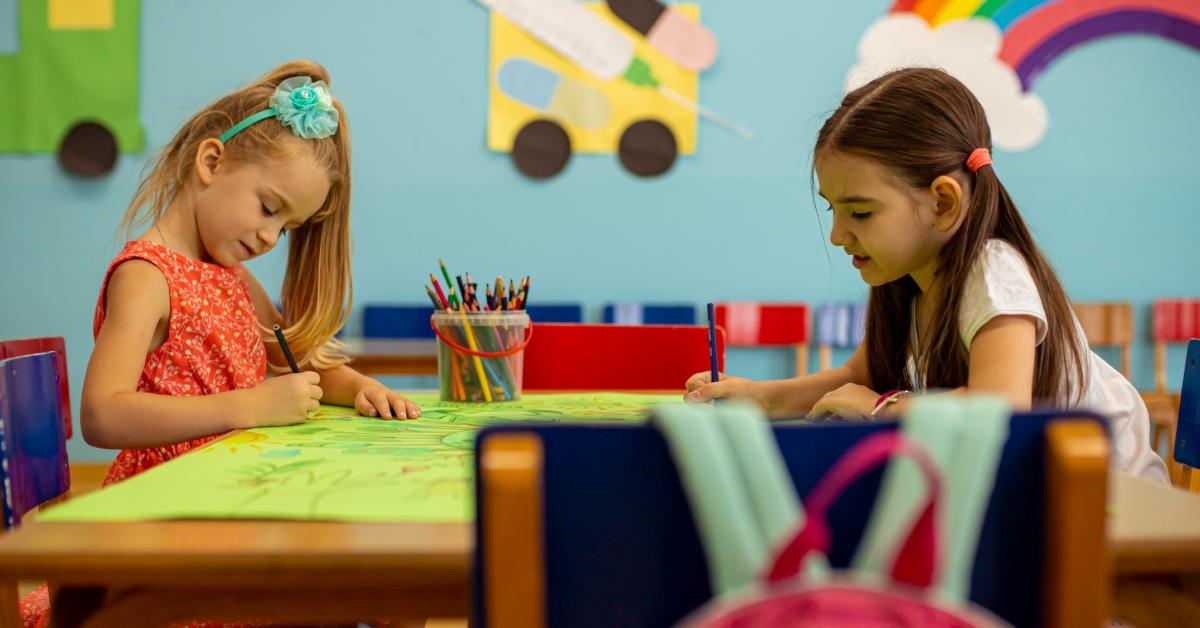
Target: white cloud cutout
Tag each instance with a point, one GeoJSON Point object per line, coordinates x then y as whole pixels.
{"type": "Point", "coordinates": [966, 49]}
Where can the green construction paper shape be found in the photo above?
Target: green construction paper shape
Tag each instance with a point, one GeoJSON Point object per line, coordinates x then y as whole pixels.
{"type": "Point", "coordinates": [341, 466]}
{"type": "Point", "coordinates": [640, 74]}
{"type": "Point", "coordinates": [59, 78]}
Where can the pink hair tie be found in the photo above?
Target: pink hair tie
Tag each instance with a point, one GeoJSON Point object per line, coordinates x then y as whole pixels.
{"type": "Point", "coordinates": [979, 158]}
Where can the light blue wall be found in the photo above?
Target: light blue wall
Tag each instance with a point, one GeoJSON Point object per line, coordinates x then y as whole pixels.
{"type": "Point", "coordinates": [1111, 193]}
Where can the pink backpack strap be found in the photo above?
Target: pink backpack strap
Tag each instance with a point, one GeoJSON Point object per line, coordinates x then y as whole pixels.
{"type": "Point", "coordinates": [916, 562]}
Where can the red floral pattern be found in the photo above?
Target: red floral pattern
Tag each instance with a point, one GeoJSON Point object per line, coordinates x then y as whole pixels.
{"type": "Point", "coordinates": [213, 343]}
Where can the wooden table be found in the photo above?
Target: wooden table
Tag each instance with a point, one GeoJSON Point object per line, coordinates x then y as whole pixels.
{"type": "Point", "coordinates": [155, 572]}
{"type": "Point", "coordinates": [152, 573]}
{"type": "Point", "coordinates": [385, 356]}
{"type": "Point", "coordinates": [1154, 536]}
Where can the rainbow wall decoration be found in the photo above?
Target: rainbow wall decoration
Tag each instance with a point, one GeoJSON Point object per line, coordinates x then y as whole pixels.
{"type": "Point", "coordinates": [1035, 32]}
{"type": "Point", "coordinates": [999, 48]}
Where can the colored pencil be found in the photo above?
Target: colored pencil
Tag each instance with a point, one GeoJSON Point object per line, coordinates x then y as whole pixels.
{"type": "Point", "coordinates": [287, 352]}
{"type": "Point", "coordinates": [441, 295]}
{"type": "Point", "coordinates": [433, 298]}
{"type": "Point", "coordinates": [712, 342]}
{"type": "Point", "coordinates": [483, 381]}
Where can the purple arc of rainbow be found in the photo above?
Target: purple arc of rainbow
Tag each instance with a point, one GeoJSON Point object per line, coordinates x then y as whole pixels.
{"type": "Point", "coordinates": [1031, 65]}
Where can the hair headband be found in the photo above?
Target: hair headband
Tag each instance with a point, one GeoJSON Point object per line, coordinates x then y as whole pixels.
{"type": "Point", "coordinates": [979, 158]}
{"type": "Point", "coordinates": [299, 103]}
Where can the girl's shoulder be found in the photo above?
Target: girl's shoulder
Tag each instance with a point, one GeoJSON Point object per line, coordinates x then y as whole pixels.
{"type": "Point", "coordinates": [180, 271]}
{"type": "Point", "coordinates": [1000, 283]}
{"type": "Point", "coordinates": [998, 252]}
{"type": "Point", "coordinates": [1000, 266]}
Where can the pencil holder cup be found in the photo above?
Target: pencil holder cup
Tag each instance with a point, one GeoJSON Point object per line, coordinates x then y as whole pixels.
{"type": "Point", "coordinates": [481, 355]}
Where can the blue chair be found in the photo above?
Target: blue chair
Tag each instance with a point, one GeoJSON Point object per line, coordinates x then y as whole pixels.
{"type": "Point", "coordinates": [26, 346]}
{"type": "Point", "coordinates": [588, 525]}
{"type": "Point", "coordinates": [839, 326]}
{"type": "Point", "coordinates": [397, 321]}
{"type": "Point", "coordinates": [1187, 431]}
{"type": "Point", "coordinates": [639, 314]}
{"type": "Point", "coordinates": [555, 313]}
{"type": "Point", "coordinates": [33, 462]}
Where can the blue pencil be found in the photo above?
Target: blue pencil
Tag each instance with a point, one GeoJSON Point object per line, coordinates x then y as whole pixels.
{"type": "Point", "coordinates": [712, 342]}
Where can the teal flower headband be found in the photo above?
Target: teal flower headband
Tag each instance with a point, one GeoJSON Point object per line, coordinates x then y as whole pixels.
{"type": "Point", "coordinates": [299, 103]}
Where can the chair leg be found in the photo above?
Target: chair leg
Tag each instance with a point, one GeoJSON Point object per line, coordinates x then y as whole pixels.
{"type": "Point", "coordinates": [10, 607]}
{"type": "Point", "coordinates": [1160, 366]}
{"type": "Point", "coordinates": [825, 357]}
{"type": "Point", "coordinates": [801, 360]}
{"type": "Point", "coordinates": [1189, 478]}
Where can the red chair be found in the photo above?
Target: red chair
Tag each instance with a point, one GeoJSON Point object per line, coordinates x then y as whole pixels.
{"type": "Point", "coordinates": [570, 356]}
{"type": "Point", "coordinates": [1174, 320]}
{"type": "Point", "coordinates": [767, 325]}
{"type": "Point", "coordinates": [29, 346]}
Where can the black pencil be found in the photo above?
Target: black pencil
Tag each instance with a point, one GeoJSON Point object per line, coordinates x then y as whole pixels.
{"type": "Point", "coordinates": [287, 353]}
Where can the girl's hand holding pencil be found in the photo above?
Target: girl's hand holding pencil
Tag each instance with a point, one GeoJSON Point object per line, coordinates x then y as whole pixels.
{"type": "Point", "coordinates": [284, 399]}
{"type": "Point", "coordinates": [701, 388]}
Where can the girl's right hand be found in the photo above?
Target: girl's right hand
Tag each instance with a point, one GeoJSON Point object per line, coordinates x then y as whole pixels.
{"type": "Point", "coordinates": [700, 388]}
{"type": "Point", "coordinates": [286, 399]}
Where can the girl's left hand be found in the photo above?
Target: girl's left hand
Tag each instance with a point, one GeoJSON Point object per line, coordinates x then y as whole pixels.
{"type": "Point", "coordinates": [849, 400]}
{"type": "Point", "coordinates": [376, 400]}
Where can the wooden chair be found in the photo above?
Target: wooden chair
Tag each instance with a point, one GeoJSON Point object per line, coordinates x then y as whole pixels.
{"type": "Point", "coordinates": [562, 356]}
{"type": "Point", "coordinates": [588, 525]}
{"type": "Point", "coordinates": [649, 314]}
{"type": "Point", "coordinates": [840, 326]}
{"type": "Point", "coordinates": [1108, 325]}
{"type": "Point", "coordinates": [33, 461]}
{"type": "Point", "coordinates": [767, 325]}
{"type": "Point", "coordinates": [28, 346]}
{"type": "Point", "coordinates": [1186, 453]}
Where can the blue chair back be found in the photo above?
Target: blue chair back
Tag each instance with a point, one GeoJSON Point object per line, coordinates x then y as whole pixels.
{"type": "Point", "coordinates": [33, 460]}
{"type": "Point", "coordinates": [26, 346]}
{"type": "Point", "coordinates": [621, 547]}
{"type": "Point", "coordinates": [1187, 430]}
{"type": "Point", "coordinates": [555, 313]}
{"type": "Point", "coordinates": [397, 321]}
{"type": "Point", "coordinates": [841, 325]}
{"type": "Point", "coordinates": [639, 314]}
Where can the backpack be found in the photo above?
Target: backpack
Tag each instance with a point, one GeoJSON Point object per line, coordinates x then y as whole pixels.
{"type": "Point", "coordinates": [767, 551]}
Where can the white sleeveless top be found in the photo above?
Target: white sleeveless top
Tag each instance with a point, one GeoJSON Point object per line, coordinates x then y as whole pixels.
{"type": "Point", "coordinates": [1001, 284]}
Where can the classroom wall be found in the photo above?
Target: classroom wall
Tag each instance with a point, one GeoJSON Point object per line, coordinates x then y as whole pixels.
{"type": "Point", "coordinates": [1110, 193]}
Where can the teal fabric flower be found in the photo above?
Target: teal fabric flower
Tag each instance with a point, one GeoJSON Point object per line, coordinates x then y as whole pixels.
{"type": "Point", "coordinates": [306, 107]}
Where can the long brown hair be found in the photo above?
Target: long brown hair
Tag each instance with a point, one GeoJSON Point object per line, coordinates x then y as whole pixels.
{"type": "Point", "coordinates": [317, 289]}
{"type": "Point", "coordinates": [923, 123]}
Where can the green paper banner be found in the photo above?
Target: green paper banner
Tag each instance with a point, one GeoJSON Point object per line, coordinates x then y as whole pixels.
{"type": "Point", "coordinates": [70, 69]}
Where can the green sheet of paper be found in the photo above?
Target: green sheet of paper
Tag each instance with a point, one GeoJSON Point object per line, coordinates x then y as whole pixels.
{"type": "Point", "coordinates": [341, 466]}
